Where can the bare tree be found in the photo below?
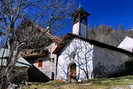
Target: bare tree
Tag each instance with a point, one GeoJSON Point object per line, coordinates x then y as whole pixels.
{"type": "Point", "coordinates": [80, 54]}
{"type": "Point", "coordinates": [12, 14]}
{"type": "Point", "coordinates": [83, 58]}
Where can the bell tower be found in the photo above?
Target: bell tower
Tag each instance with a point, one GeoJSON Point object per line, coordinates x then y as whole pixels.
{"type": "Point", "coordinates": [80, 22]}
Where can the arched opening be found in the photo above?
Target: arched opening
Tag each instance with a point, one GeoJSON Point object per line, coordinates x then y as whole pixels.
{"type": "Point", "coordinates": [72, 71]}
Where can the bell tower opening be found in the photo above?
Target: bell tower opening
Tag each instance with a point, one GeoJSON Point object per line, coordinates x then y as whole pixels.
{"type": "Point", "coordinates": [80, 22]}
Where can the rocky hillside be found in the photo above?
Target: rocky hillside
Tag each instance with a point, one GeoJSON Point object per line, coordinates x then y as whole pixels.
{"type": "Point", "coordinates": [109, 36]}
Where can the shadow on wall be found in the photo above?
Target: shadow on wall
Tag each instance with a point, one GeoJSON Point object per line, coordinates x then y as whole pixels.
{"type": "Point", "coordinates": [122, 70]}
{"type": "Point", "coordinates": [129, 67]}
{"type": "Point", "coordinates": [35, 75]}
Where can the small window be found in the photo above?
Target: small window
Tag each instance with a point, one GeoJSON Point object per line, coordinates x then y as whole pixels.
{"type": "Point", "coordinates": [40, 63]}
{"type": "Point", "coordinates": [52, 60]}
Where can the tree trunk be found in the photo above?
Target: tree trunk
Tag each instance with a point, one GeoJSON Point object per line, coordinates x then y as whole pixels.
{"type": "Point", "coordinates": [6, 74]}
{"type": "Point", "coordinates": [4, 79]}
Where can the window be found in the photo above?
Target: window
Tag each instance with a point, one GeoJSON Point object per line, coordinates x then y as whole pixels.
{"type": "Point", "coordinates": [52, 60]}
{"type": "Point", "coordinates": [40, 63]}
{"type": "Point", "coordinates": [72, 56]}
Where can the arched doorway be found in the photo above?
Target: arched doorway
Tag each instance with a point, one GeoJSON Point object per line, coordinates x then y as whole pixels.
{"type": "Point", "coordinates": [72, 71]}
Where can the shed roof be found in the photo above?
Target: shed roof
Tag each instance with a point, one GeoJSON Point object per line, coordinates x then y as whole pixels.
{"type": "Point", "coordinates": [4, 52]}
{"type": "Point", "coordinates": [21, 62]}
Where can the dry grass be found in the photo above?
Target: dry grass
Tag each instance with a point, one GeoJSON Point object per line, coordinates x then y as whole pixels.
{"type": "Point", "coordinates": [108, 83]}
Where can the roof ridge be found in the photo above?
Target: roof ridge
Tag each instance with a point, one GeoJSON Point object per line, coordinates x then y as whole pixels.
{"type": "Point", "coordinates": [94, 42]}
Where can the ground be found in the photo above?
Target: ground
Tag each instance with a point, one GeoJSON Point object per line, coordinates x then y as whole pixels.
{"type": "Point", "coordinates": [125, 82]}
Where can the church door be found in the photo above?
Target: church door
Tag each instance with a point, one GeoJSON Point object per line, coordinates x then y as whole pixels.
{"type": "Point", "coordinates": [72, 71]}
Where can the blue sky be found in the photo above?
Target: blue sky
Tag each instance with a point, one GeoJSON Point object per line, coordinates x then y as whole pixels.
{"type": "Point", "coordinates": [108, 12]}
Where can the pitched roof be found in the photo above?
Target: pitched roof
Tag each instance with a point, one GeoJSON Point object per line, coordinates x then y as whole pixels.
{"type": "Point", "coordinates": [44, 30]}
{"type": "Point", "coordinates": [54, 38]}
{"type": "Point", "coordinates": [70, 37]}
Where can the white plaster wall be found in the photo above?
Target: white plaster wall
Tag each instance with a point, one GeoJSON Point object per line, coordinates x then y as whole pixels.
{"type": "Point", "coordinates": [76, 28]}
{"type": "Point", "coordinates": [47, 68]}
{"type": "Point", "coordinates": [52, 47]}
{"type": "Point", "coordinates": [83, 59]}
